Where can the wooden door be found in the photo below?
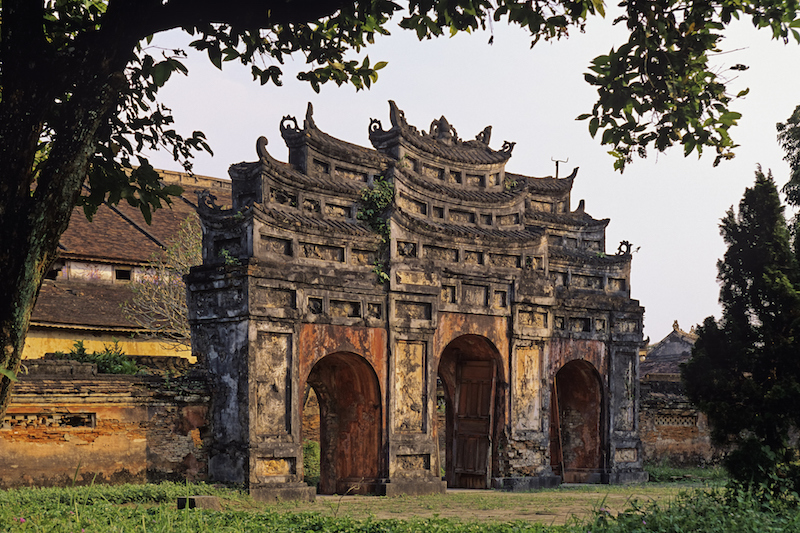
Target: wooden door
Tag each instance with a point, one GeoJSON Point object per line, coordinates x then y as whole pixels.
{"type": "Point", "coordinates": [474, 419]}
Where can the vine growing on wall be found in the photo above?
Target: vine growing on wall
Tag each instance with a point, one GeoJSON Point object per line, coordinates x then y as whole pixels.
{"type": "Point", "coordinates": [374, 209]}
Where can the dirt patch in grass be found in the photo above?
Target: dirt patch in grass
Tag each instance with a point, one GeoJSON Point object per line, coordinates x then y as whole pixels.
{"type": "Point", "coordinates": [553, 507]}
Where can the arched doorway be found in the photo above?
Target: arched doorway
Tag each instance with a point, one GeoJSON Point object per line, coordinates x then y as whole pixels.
{"type": "Point", "coordinates": [469, 373]}
{"type": "Point", "coordinates": [348, 393]}
{"type": "Point", "coordinates": [576, 424]}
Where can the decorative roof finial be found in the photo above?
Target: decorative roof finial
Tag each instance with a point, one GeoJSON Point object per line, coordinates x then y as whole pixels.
{"type": "Point", "coordinates": [396, 115]}
{"type": "Point", "coordinates": [261, 148]}
{"type": "Point", "coordinates": [485, 135]}
{"type": "Point", "coordinates": [308, 123]}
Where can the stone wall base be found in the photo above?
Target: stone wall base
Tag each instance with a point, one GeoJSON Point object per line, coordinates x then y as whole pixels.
{"type": "Point", "coordinates": [283, 492]}
{"type": "Point", "coordinates": [411, 487]}
{"type": "Point", "coordinates": [521, 484]}
{"type": "Point", "coordinates": [623, 478]}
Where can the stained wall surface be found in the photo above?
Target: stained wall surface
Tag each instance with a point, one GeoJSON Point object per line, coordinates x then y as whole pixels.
{"type": "Point", "coordinates": [64, 423]}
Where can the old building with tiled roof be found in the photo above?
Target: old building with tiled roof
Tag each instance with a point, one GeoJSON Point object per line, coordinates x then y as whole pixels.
{"type": "Point", "coordinates": [673, 431]}
{"type": "Point", "coordinates": [82, 297]}
{"type": "Point", "coordinates": [488, 283]}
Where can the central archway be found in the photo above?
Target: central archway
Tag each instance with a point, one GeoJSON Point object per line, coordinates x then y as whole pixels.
{"type": "Point", "coordinates": [576, 424]}
{"type": "Point", "coordinates": [470, 371]}
{"type": "Point", "coordinates": [348, 393]}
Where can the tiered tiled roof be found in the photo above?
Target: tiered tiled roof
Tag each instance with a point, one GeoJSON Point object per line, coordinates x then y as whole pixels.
{"type": "Point", "coordinates": [436, 228]}
{"type": "Point", "coordinates": [311, 135]}
{"type": "Point", "coordinates": [469, 195]}
{"type": "Point", "coordinates": [311, 181]}
{"type": "Point", "coordinates": [586, 256]}
{"type": "Point", "coordinates": [572, 219]}
{"type": "Point", "coordinates": [441, 141]}
{"type": "Point", "coordinates": [292, 219]}
{"type": "Point", "coordinates": [548, 185]}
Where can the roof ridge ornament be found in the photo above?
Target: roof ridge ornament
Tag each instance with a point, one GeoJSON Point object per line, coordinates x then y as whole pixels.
{"type": "Point", "coordinates": [396, 115]}
{"type": "Point", "coordinates": [289, 125]}
{"type": "Point", "coordinates": [308, 123]}
{"type": "Point", "coordinates": [442, 131]}
{"type": "Point", "coordinates": [261, 147]}
{"type": "Point", "coordinates": [484, 136]}
{"type": "Point", "coordinates": [508, 147]}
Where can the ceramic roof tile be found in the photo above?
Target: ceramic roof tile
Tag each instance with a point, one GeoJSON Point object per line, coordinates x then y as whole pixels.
{"type": "Point", "coordinates": [68, 303]}
{"type": "Point", "coordinates": [469, 231]}
{"type": "Point", "coordinates": [292, 220]}
{"type": "Point", "coordinates": [120, 234]}
{"type": "Point", "coordinates": [567, 219]}
{"type": "Point", "coordinates": [584, 256]}
{"type": "Point", "coordinates": [462, 193]}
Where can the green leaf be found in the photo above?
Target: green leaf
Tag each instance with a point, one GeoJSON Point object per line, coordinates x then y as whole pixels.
{"type": "Point", "coordinates": [9, 374]}
{"type": "Point", "coordinates": [593, 125]}
{"type": "Point", "coordinates": [161, 73]}
{"type": "Point", "coordinates": [215, 56]}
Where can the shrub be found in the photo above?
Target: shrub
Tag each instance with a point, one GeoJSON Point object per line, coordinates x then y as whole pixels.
{"type": "Point", "coordinates": [111, 360]}
{"type": "Point", "coordinates": [706, 511]}
{"type": "Point", "coordinates": [311, 461]}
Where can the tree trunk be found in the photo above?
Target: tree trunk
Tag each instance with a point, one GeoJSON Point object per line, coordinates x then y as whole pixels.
{"type": "Point", "coordinates": [35, 207]}
{"type": "Point", "coordinates": [64, 88]}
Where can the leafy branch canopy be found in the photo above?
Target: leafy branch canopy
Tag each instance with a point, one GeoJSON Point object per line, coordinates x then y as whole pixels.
{"type": "Point", "coordinates": [79, 81]}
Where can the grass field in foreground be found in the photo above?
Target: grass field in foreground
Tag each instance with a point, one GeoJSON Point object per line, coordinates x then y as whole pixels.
{"type": "Point", "coordinates": [598, 508]}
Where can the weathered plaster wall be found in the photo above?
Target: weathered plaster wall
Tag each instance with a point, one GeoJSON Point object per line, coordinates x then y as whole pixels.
{"type": "Point", "coordinates": [40, 341]}
{"type": "Point", "coordinates": [108, 429]}
{"type": "Point", "coordinates": [318, 340]}
{"type": "Point", "coordinates": [454, 325]}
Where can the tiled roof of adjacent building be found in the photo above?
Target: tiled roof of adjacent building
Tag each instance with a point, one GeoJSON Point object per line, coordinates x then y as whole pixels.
{"type": "Point", "coordinates": [119, 234]}
{"type": "Point", "coordinates": [666, 356]}
{"type": "Point", "coordinates": [116, 235]}
{"type": "Point", "coordinates": [85, 304]}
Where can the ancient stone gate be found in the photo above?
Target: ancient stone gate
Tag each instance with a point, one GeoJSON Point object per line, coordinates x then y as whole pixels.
{"type": "Point", "coordinates": [488, 284]}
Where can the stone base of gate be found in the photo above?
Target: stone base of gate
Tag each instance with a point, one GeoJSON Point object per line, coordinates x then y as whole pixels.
{"type": "Point", "coordinates": [283, 492]}
{"type": "Point", "coordinates": [412, 487]}
{"type": "Point", "coordinates": [521, 484]}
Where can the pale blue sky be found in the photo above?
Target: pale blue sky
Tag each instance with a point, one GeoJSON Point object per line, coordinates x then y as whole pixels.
{"type": "Point", "coordinates": [667, 205]}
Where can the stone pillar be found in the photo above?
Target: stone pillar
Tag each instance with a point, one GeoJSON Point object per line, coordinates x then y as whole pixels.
{"type": "Point", "coordinates": [252, 369]}
{"type": "Point", "coordinates": [414, 466]}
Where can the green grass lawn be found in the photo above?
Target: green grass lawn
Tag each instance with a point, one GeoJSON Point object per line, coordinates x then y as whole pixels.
{"type": "Point", "coordinates": [653, 507]}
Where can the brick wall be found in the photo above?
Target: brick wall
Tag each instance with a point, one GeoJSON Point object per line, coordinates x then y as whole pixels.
{"type": "Point", "coordinates": [107, 428]}
{"type": "Point", "coordinates": [671, 429]}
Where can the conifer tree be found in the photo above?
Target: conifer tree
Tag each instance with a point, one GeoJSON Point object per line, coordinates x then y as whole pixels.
{"type": "Point", "coordinates": [744, 373]}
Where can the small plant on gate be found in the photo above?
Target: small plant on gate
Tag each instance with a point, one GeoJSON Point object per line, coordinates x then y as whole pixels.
{"type": "Point", "coordinates": [374, 207]}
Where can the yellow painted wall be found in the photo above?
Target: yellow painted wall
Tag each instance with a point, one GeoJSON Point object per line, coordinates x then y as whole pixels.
{"type": "Point", "coordinates": [41, 341]}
